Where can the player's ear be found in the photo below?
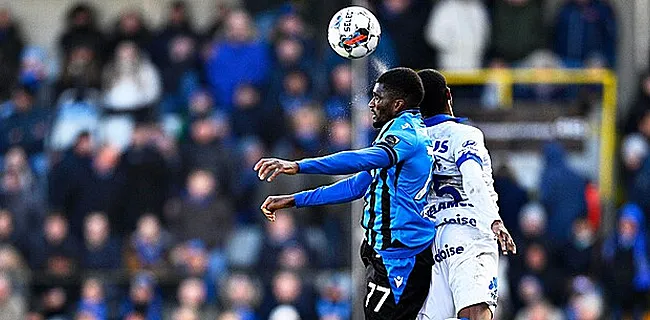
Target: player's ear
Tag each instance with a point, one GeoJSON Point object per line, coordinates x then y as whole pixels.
{"type": "Point", "coordinates": [399, 105]}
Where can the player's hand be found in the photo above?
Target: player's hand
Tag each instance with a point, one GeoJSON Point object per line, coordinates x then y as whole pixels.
{"type": "Point", "coordinates": [274, 203]}
{"type": "Point", "coordinates": [274, 167]}
{"type": "Point", "coordinates": [504, 237]}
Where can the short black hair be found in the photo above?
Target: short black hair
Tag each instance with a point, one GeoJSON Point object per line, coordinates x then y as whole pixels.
{"type": "Point", "coordinates": [436, 93]}
{"type": "Point", "coordinates": [403, 83]}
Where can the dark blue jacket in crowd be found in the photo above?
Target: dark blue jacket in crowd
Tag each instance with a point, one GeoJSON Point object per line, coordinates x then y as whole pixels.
{"type": "Point", "coordinates": [512, 197]}
{"type": "Point", "coordinates": [562, 193]}
{"type": "Point", "coordinates": [641, 186]}
{"type": "Point", "coordinates": [635, 273]}
{"type": "Point", "coordinates": [585, 31]}
{"type": "Point", "coordinates": [106, 257]}
{"type": "Point", "coordinates": [234, 63]}
{"type": "Point", "coordinates": [24, 129]}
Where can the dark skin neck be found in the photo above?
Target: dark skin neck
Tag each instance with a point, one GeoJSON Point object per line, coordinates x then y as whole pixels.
{"type": "Point", "coordinates": [448, 111]}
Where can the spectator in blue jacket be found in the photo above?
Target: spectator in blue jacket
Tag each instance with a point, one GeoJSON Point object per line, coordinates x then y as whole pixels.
{"type": "Point", "coordinates": [238, 58]}
{"type": "Point", "coordinates": [627, 272]}
{"type": "Point", "coordinates": [23, 123]}
{"type": "Point", "coordinates": [93, 300]}
{"type": "Point", "coordinates": [585, 33]}
{"type": "Point", "coordinates": [562, 193]}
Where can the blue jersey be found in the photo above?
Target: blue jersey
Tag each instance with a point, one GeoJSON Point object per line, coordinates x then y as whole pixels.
{"type": "Point", "coordinates": [392, 212]}
{"type": "Point", "coordinates": [393, 176]}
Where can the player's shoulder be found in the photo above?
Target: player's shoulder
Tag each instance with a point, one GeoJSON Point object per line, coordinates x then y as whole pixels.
{"type": "Point", "coordinates": [405, 124]}
{"type": "Point", "coordinates": [466, 130]}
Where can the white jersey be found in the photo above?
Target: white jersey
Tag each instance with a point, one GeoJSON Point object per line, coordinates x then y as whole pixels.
{"type": "Point", "coordinates": [447, 202]}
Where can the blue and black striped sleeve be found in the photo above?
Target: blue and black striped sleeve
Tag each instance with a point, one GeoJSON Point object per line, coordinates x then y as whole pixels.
{"type": "Point", "coordinates": [348, 162]}
{"type": "Point", "coordinates": [398, 143]}
{"type": "Point", "coordinates": [344, 190]}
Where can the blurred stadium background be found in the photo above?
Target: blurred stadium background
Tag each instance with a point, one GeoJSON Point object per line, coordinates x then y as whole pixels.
{"type": "Point", "coordinates": [128, 131]}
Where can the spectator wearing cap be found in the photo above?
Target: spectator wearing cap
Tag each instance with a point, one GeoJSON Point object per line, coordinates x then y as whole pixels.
{"type": "Point", "coordinates": [143, 299]}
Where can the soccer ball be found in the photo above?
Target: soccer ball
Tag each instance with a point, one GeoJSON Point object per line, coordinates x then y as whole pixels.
{"type": "Point", "coordinates": [353, 32]}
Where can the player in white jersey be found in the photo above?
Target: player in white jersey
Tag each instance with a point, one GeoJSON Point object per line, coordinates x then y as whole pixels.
{"type": "Point", "coordinates": [462, 202]}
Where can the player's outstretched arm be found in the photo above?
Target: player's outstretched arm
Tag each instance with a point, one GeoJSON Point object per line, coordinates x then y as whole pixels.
{"type": "Point", "coordinates": [344, 162]}
{"type": "Point", "coordinates": [274, 167]}
{"type": "Point", "coordinates": [341, 191]}
{"type": "Point", "coordinates": [478, 194]}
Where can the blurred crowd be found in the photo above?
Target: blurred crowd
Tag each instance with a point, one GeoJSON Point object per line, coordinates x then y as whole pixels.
{"type": "Point", "coordinates": [126, 188]}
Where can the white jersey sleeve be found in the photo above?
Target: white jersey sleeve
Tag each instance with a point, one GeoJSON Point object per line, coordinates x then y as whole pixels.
{"type": "Point", "coordinates": [468, 145]}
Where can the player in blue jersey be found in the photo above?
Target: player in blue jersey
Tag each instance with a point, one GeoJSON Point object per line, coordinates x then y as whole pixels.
{"type": "Point", "coordinates": [393, 176]}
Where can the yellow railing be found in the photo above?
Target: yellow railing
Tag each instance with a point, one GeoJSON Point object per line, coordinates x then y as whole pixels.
{"type": "Point", "coordinates": [505, 78]}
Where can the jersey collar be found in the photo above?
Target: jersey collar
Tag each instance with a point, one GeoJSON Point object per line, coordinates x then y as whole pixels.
{"type": "Point", "coordinates": [411, 111]}
{"type": "Point", "coordinates": [440, 118]}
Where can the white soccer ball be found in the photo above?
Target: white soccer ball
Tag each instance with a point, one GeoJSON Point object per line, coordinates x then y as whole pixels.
{"type": "Point", "coordinates": [354, 32]}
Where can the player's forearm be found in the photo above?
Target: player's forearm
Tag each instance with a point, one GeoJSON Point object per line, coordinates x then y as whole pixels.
{"type": "Point", "coordinates": [342, 191]}
{"type": "Point", "coordinates": [347, 162]}
{"type": "Point", "coordinates": [477, 190]}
